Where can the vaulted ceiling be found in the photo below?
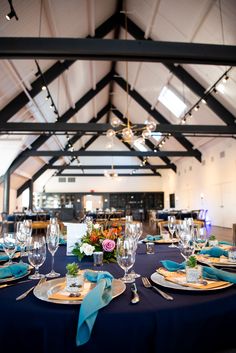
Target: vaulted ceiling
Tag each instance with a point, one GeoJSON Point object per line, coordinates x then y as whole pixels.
{"type": "Point", "coordinates": [113, 58]}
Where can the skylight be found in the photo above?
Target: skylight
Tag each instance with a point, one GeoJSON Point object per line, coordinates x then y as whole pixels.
{"type": "Point", "coordinates": [172, 102]}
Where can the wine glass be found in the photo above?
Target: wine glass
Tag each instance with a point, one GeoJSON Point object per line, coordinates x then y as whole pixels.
{"type": "Point", "coordinates": [22, 237]}
{"type": "Point", "coordinates": [134, 230]}
{"type": "Point", "coordinates": [53, 232]}
{"type": "Point", "coordinates": [200, 237]}
{"type": "Point", "coordinates": [9, 245]}
{"type": "Point", "coordinates": [125, 254]}
{"type": "Point", "coordinates": [37, 255]}
{"type": "Point", "coordinates": [172, 227]}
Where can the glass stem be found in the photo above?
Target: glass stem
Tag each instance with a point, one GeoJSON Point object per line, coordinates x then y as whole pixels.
{"type": "Point", "coordinates": [21, 253]}
{"type": "Point", "coordinates": [36, 270]}
{"type": "Point", "coordinates": [52, 263]}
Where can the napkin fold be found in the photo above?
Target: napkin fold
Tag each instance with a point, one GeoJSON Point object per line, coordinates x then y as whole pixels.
{"type": "Point", "coordinates": [153, 237]}
{"type": "Point", "coordinates": [97, 298]}
{"type": "Point", "coordinates": [214, 252]}
{"type": "Point", "coordinates": [14, 270]}
{"type": "Point", "coordinates": [4, 258]}
{"type": "Point", "coordinates": [207, 272]}
{"type": "Point", "coordinates": [173, 266]}
{"type": "Point", "coordinates": [62, 241]}
{"type": "Point", "coordinates": [222, 242]}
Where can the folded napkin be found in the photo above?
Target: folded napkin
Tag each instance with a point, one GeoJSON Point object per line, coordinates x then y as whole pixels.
{"type": "Point", "coordinates": [97, 298]}
{"type": "Point", "coordinates": [214, 252]}
{"type": "Point", "coordinates": [207, 272]}
{"type": "Point", "coordinates": [4, 258]}
{"type": "Point", "coordinates": [62, 241]}
{"type": "Point", "coordinates": [153, 237]}
{"type": "Point", "coordinates": [225, 243]}
{"type": "Point", "coordinates": [14, 270]}
{"type": "Point", "coordinates": [172, 265]}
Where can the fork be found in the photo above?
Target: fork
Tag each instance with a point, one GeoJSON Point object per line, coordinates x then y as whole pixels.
{"type": "Point", "coordinates": [147, 284]}
{"type": "Point", "coordinates": [23, 295]}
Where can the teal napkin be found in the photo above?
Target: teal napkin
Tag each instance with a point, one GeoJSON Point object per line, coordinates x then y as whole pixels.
{"type": "Point", "coordinates": [14, 270]}
{"type": "Point", "coordinates": [225, 243]}
{"type": "Point", "coordinates": [214, 252]}
{"type": "Point", "coordinates": [2, 248]}
{"type": "Point", "coordinates": [153, 237]}
{"type": "Point", "coordinates": [172, 265]}
{"type": "Point", "coordinates": [62, 241]}
{"type": "Point", "coordinates": [97, 298]}
{"type": "Point", "coordinates": [207, 272]}
{"type": "Point", "coordinates": [4, 258]}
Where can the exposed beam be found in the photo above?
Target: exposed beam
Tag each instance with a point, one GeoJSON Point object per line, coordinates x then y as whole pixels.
{"type": "Point", "coordinates": [65, 117]}
{"type": "Point", "coordinates": [155, 114]}
{"type": "Point", "coordinates": [33, 153]}
{"type": "Point", "coordinates": [53, 160]}
{"type": "Point", "coordinates": [112, 49]}
{"type": "Point", "coordinates": [102, 175]}
{"type": "Point", "coordinates": [93, 127]}
{"type": "Point", "coordinates": [130, 166]}
{"type": "Point", "coordinates": [224, 114]}
{"type": "Point", "coordinates": [50, 75]}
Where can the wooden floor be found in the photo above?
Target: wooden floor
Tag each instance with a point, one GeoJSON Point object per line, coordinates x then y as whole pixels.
{"type": "Point", "coordinates": [221, 233]}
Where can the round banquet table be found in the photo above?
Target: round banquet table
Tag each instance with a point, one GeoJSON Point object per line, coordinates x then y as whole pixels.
{"type": "Point", "coordinates": [192, 322]}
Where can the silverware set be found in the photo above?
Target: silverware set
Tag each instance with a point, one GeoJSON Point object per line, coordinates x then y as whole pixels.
{"type": "Point", "coordinates": [147, 284]}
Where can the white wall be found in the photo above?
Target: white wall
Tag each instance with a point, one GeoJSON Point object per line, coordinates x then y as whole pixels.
{"type": "Point", "coordinates": [211, 186]}
{"type": "Point", "coordinates": [13, 201]}
{"type": "Point", "coordinates": [103, 184]}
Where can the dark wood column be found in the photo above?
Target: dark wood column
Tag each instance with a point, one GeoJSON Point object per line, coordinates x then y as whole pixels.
{"type": "Point", "coordinates": [6, 192]}
{"type": "Point", "coordinates": [31, 189]}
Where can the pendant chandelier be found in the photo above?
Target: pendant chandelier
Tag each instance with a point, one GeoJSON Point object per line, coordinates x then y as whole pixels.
{"type": "Point", "coordinates": [130, 133]}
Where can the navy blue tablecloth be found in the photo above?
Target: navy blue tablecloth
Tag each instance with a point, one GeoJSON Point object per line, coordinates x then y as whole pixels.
{"type": "Point", "coordinates": [193, 322]}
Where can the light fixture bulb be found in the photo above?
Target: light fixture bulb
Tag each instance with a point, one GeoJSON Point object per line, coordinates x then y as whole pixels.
{"type": "Point", "coordinates": [151, 125]}
{"type": "Point", "coordinates": [43, 88]}
{"type": "Point", "coordinates": [115, 122]}
{"type": "Point", "coordinates": [110, 133]}
{"type": "Point", "coordinates": [127, 134]}
{"type": "Point", "coordinates": [146, 133]}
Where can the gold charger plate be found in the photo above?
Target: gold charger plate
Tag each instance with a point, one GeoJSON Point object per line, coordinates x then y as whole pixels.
{"type": "Point", "coordinates": [160, 280]}
{"type": "Point", "coordinates": [161, 241]}
{"type": "Point", "coordinates": [46, 289]}
{"type": "Point", "coordinates": [218, 262]}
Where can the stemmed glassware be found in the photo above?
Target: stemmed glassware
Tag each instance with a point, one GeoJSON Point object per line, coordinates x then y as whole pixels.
{"type": "Point", "coordinates": [22, 237]}
{"type": "Point", "coordinates": [53, 232]}
{"type": "Point", "coordinates": [171, 227]}
{"type": "Point", "coordinates": [9, 245]}
{"type": "Point", "coordinates": [200, 237]}
{"type": "Point", "coordinates": [134, 230]}
{"type": "Point", "coordinates": [125, 253]}
{"type": "Point", "coordinates": [37, 255]}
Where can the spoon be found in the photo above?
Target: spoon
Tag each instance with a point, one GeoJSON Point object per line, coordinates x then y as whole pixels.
{"type": "Point", "coordinates": [135, 297]}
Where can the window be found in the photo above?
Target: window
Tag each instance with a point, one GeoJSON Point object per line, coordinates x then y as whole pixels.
{"type": "Point", "coordinates": [172, 102]}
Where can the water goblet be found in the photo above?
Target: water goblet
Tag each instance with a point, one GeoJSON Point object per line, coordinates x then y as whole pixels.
{"type": "Point", "coordinates": [125, 254]}
{"type": "Point", "coordinates": [172, 227]}
{"type": "Point", "coordinates": [53, 232]}
{"type": "Point", "coordinates": [37, 255]}
{"type": "Point", "coordinates": [22, 237]}
{"type": "Point", "coordinates": [9, 246]}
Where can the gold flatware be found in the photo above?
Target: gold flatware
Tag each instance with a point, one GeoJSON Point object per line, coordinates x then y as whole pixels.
{"type": "Point", "coordinates": [23, 295]}
{"type": "Point", "coordinates": [14, 284]}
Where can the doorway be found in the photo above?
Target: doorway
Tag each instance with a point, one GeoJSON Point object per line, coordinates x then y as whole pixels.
{"type": "Point", "coordinates": [93, 202]}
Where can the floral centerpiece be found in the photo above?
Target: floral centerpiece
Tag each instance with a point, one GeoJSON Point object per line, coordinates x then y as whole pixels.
{"type": "Point", "coordinates": [99, 239]}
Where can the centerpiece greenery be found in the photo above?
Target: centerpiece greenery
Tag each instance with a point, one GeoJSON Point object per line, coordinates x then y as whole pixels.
{"type": "Point", "coordinates": [99, 239]}
{"type": "Point", "coordinates": [72, 269]}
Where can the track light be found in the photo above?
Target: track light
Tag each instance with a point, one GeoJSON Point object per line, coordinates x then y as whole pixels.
{"type": "Point", "coordinates": [12, 13]}
{"type": "Point", "coordinates": [203, 101]}
{"type": "Point", "coordinates": [225, 78]}
{"type": "Point", "coordinates": [43, 88]}
{"type": "Point", "coordinates": [196, 108]}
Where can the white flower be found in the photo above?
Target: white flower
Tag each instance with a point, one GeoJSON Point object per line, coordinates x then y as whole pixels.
{"type": "Point", "coordinates": [96, 226]}
{"type": "Point", "coordinates": [87, 249]}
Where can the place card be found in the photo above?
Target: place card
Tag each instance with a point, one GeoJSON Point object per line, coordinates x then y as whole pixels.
{"type": "Point", "coordinates": [75, 231]}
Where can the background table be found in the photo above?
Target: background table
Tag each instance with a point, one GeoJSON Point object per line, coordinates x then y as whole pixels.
{"type": "Point", "coordinates": [193, 322]}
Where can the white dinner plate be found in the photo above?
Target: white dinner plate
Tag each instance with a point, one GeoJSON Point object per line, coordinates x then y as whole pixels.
{"type": "Point", "coordinates": [159, 279]}
{"type": "Point", "coordinates": [44, 289]}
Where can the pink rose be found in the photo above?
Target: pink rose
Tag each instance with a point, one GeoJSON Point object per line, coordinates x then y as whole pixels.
{"type": "Point", "coordinates": [108, 245]}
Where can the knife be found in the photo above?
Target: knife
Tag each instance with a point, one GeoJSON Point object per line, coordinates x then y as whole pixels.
{"type": "Point", "coordinates": [135, 297]}
{"type": "Point", "coordinates": [14, 284]}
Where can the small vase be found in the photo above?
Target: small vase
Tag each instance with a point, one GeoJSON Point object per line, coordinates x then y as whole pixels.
{"type": "Point", "coordinates": [213, 242]}
{"type": "Point", "coordinates": [74, 284]}
{"type": "Point", "coordinates": [193, 274]}
{"type": "Point", "coordinates": [232, 255]}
